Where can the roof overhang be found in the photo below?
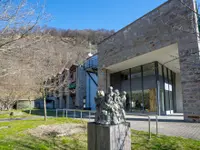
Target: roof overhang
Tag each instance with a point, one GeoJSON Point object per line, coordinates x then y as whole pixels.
{"type": "Point", "coordinates": [168, 56]}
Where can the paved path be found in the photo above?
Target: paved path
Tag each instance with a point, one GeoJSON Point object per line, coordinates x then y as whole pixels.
{"type": "Point", "coordinates": [183, 129]}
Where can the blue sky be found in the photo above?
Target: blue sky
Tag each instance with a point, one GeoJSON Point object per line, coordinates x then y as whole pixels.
{"type": "Point", "coordinates": [97, 14]}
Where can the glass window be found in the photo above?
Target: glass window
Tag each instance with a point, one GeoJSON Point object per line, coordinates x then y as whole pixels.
{"type": "Point", "coordinates": [149, 85]}
{"type": "Point", "coordinates": [170, 89]}
{"type": "Point", "coordinates": [159, 69]}
{"type": "Point", "coordinates": [136, 79]}
{"type": "Point", "coordinates": [166, 84]}
{"type": "Point", "coordinates": [115, 79]}
{"type": "Point", "coordinates": [160, 88]}
{"type": "Point", "coordinates": [149, 69]}
{"type": "Point", "coordinates": [125, 81]}
{"type": "Point", "coordinates": [149, 78]}
{"type": "Point", "coordinates": [142, 90]}
{"type": "Point", "coordinates": [126, 86]}
{"type": "Point", "coordinates": [136, 103]}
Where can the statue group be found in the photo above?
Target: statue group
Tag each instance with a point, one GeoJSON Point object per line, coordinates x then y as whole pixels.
{"type": "Point", "coordinates": [110, 107]}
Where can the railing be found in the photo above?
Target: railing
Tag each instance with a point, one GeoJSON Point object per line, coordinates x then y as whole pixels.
{"type": "Point", "coordinates": [149, 123]}
{"type": "Point", "coordinates": [65, 113]}
{"type": "Point", "coordinates": [149, 120]}
{"type": "Point", "coordinates": [91, 63]}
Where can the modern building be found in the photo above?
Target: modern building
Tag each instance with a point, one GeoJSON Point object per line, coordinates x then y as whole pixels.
{"type": "Point", "coordinates": [83, 84]}
{"type": "Point", "coordinates": [156, 59]}
{"type": "Point", "coordinates": [90, 66]}
{"type": "Point", "coordinates": [77, 86]}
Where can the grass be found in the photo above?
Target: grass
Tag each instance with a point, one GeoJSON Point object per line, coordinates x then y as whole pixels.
{"type": "Point", "coordinates": [140, 141]}
{"type": "Point", "coordinates": [13, 137]}
{"type": "Point", "coordinates": [25, 113]}
{"type": "Point", "coordinates": [6, 114]}
{"type": "Point", "coordinates": [38, 113]}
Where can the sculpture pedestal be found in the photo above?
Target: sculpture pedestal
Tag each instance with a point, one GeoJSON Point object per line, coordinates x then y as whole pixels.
{"type": "Point", "coordinates": [109, 137]}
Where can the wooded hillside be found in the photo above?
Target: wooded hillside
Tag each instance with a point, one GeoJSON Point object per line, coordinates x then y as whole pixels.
{"type": "Point", "coordinates": [42, 54]}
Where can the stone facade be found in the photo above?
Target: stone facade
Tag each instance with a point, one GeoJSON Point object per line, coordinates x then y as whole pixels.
{"type": "Point", "coordinates": [173, 22]}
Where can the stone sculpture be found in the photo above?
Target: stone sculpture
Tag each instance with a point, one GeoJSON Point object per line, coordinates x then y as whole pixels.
{"type": "Point", "coordinates": [110, 107]}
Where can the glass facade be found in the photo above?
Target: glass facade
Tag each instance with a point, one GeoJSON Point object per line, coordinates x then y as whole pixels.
{"type": "Point", "coordinates": [150, 88]}
{"type": "Point", "coordinates": [136, 97]}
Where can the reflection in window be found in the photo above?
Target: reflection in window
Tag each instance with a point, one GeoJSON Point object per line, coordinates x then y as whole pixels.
{"type": "Point", "coordinates": [136, 89]}
{"type": "Point", "coordinates": [142, 90]}
{"type": "Point", "coordinates": [168, 87]}
{"type": "Point", "coordinates": [115, 80]}
{"type": "Point", "coordinates": [125, 86]}
{"type": "Point", "coordinates": [149, 84]}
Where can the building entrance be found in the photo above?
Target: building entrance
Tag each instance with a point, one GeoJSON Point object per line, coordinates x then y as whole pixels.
{"type": "Point", "coordinates": [150, 88]}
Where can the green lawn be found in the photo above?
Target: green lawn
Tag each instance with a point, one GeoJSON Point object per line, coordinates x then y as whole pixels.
{"type": "Point", "coordinates": [25, 113]}
{"type": "Point", "coordinates": [140, 141]}
{"type": "Point", "coordinates": [6, 114]}
{"type": "Point", "coordinates": [14, 137]}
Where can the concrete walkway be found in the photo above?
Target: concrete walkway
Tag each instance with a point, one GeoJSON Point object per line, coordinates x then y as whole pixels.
{"type": "Point", "coordinates": [182, 129]}
{"type": "Point", "coordinates": [142, 117]}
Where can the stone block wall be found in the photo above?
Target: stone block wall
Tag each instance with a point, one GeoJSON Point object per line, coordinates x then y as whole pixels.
{"type": "Point", "coordinates": [173, 22]}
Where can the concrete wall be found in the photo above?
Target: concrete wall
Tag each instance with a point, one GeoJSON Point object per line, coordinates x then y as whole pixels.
{"type": "Point", "coordinates": [80, 86]}
{"type": "Point", "coordinates": [25, 104]}
{"type": "Point", "coordinates": [179, 96]}
{"type": "Point", "coordinates": [172, 22]}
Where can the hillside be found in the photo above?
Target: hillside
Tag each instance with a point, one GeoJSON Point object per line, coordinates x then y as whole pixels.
{"type": "Point", "coordinates": [41, 55]}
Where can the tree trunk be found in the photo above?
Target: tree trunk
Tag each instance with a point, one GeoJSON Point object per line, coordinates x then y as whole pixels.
{"type": "Point", "coordinates": [30, 105]}
{"type": "Point", "coordinates": [45, 108]}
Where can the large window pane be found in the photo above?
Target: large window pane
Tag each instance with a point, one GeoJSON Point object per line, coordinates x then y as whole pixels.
{"type": "Point", "coordinates": [149, 84]}
{"type": "Point", "coordinates": [125, 81]}
{"type": "Point", "coordinates": [136, 86]}
{"type": "Point", "coordinates": [170, 89]}
{"type": "Point", "coordinates": [125, 86]}
{"type": "Point", "coordinates": [140, 84]}
{"type": "Point", "coordinates": [115, 80]}
{"type": "Point", "coordinates": [160, 87]}
{"type": "Point", "coordinates": [166, 86]}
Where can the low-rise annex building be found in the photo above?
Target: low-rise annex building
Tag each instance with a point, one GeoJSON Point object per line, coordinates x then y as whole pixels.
{"type": "Point", "coordinates": [156, 59]}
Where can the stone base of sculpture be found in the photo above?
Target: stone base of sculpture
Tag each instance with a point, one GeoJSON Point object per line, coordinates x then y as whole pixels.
{"type": "Point", "coordinates": [109, 137]}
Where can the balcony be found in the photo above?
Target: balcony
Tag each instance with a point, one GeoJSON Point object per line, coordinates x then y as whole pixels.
{"type": "Point", "coordinates": [72, 85]}
{"type": "Point", "coordinates": [91, 64]}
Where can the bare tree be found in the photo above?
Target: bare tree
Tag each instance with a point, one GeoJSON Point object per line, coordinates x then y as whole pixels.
{"type": "Point", "coordinates": [45, 81]}
{"type": "Point", "coordinates": [8, 99]}
{"type": "Point", "coordinates": [17, 20]}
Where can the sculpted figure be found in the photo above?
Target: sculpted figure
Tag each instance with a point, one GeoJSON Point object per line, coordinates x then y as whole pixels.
{"type": "Point", "coordinates": [110, 107]}
{"type": "Point", "coordinates": [122, 104]}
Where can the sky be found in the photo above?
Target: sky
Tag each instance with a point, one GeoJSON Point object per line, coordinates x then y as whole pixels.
{"type": "Point", "coordinates": [97, 14]}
